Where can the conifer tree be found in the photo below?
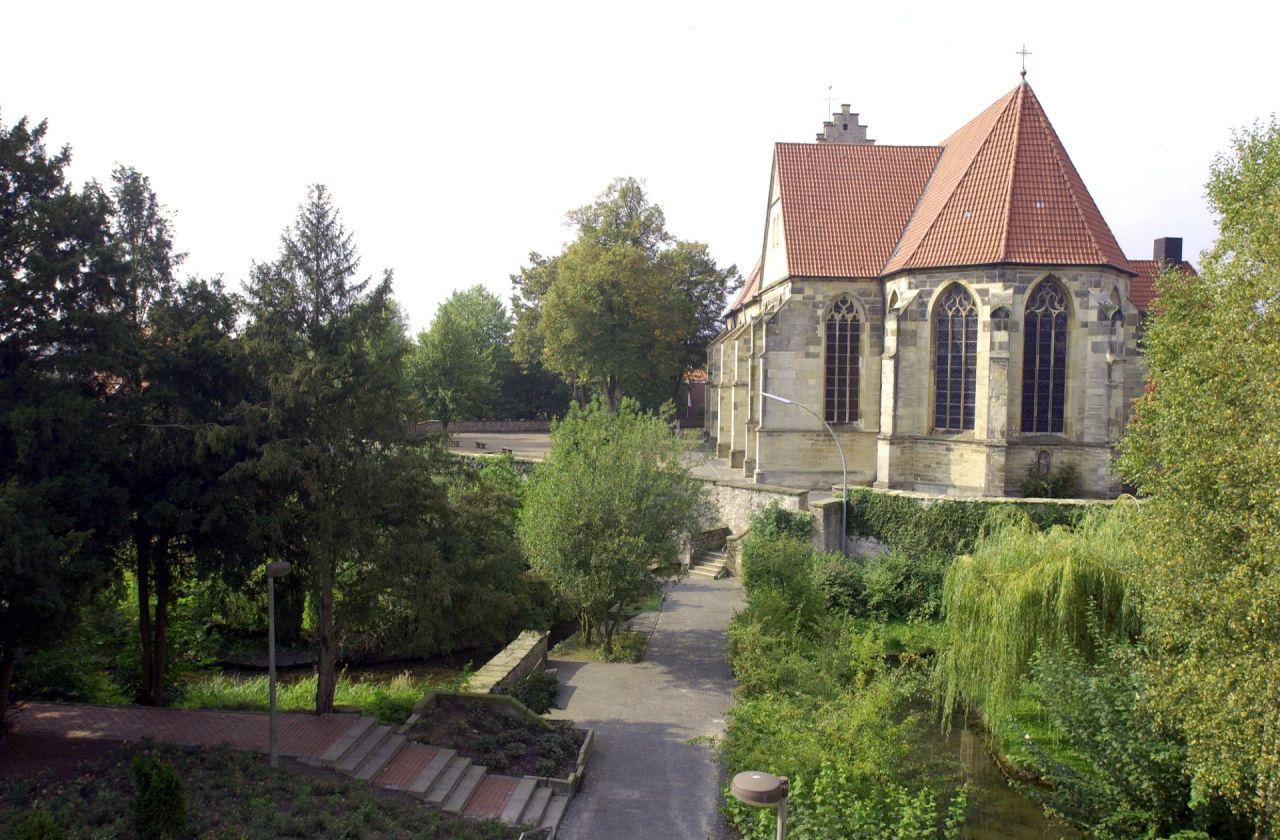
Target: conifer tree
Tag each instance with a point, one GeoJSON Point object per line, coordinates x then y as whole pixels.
{"type": "Point", "coordinates": [59, 291]}
{"type": "Point", "coordinates": [329, 349]}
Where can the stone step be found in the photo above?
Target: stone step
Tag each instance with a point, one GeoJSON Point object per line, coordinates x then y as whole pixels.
{"type": "Point", "coordinates": [536, 808]}
{"type": "Point", "coordinates": [405, 766]}
{"type": "Point", "coordinates": [347, 740]}
{"type": "Point", "coordinates": [519, 798]}
{"type": "Point", "coordinates": [711, 572]}
{"type": "Point", "coordinates": [713, 555]}
{"type": "Point", "coordinates": [447, 781]}
{"type": "Point", "coordinates": [466, 786]}
{"type": "Point", "coordinates": [432, 771]}
{"type": "Point", "coordinates": [380, 757]}
{"type": "Point", "coordinates": [555, 811]}
{"type": "Point", "coordinates": [363, 748]}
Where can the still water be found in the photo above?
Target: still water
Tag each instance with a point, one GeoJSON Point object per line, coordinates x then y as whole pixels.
{"type": "Point", "coordinates": [996, 811]}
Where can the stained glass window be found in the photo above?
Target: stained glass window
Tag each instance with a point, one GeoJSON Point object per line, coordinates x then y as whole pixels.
{"type": "Point", "coordinates": [955, 360]}
{"type": "Point", "coordinates": [842, 344]}
{"type": "Point", "coordinates": [1044, 359]}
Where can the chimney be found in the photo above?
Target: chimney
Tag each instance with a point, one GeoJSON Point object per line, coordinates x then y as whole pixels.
{"type": "Point", "coordinates": [1169, 249]}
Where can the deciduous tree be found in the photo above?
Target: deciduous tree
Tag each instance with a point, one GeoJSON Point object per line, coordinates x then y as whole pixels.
{"type": "Point", "coordinates": [626, 308]}
{"type": "Point", "coordinates": [609, 505]}
{"type": "Point", "coordinates": [1204, 447]}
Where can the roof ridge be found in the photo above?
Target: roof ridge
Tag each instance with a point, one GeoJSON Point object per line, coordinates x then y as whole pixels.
{"type": "Point", "coordinates": [902, 234]}
{"type": "Point", "coordinates": [1063, 168]}
{"type": "Point", "coordinates": [964, 177]}
{"type": "Point", "coordinates": [1006, 217]}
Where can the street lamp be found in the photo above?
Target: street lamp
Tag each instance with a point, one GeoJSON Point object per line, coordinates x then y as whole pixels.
{"type": "Point", "coordinates": [844, 468]}
{"type": "Point", "coordinates": [762, 790]}
{"type": "Point", "coordinates": [274, 570]}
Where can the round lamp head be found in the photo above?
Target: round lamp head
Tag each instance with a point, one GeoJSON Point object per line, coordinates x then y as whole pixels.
{"type": "Point", "coordinates": [278, 569]}
{"type": "Point", "coordinates": [760, 790]}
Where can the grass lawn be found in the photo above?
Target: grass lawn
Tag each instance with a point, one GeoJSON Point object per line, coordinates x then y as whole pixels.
{"type": "Point", "coordinates": [232, 795]}
{"type": "Point", "coordinates": [389, 697]}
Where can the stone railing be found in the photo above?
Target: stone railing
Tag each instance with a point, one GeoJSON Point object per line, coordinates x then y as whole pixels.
{"type": "Point", "coordinates": [526, 654]}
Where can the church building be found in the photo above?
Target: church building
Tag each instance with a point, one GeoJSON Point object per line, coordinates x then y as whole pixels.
{"type": "Point", "coordinates": [959, 315]}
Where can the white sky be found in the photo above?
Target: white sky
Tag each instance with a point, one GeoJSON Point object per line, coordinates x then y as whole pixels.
{"type": "Point", "coordinates": [455, 136]}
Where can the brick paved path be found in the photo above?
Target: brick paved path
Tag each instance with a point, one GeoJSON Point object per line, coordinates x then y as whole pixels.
{"type": "Point", "coordinates": [300, 735]}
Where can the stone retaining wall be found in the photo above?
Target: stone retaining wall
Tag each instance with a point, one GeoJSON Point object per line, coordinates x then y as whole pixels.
{"type": "Point", "coordinates": [526, 654]}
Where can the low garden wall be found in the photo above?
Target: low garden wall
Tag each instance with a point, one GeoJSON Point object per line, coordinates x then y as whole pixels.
{"type": "Point", "coordinates": [487, 426]}
{"type": "Point", "coordinates": [526, 653]}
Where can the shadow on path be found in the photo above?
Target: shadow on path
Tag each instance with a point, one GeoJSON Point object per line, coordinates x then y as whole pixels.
{"type": "Point", "coordinates": [645, 778]}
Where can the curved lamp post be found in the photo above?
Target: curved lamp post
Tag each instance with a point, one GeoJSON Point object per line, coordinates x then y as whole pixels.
{"type": "Point", "coordinates": [762, 790]}
{"type": "Point", "coordinates": [274, 570]}
{"type": "Point", "coordinates": [844, 468]}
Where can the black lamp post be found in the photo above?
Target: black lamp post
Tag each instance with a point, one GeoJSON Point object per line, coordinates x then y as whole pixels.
{"type": "Point", "coordinates": [274, 570]}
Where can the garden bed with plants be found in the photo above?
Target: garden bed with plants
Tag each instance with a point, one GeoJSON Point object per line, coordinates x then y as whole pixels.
{"type": "Point", "coordinates": [499, 740]}
{"type": "Point", "coordinates": [222, 793]}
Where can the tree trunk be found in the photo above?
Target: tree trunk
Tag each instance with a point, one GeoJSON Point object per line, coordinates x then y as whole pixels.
{"type": "Point", "coordinates": [325, 668]}
{"type": "Point", "coordinates": [159, 648]}
{"type": "Point", "coordinates": [607, 627]}
{"type": "Point", "coordinates": [613, 393]}
{"type": "Point", "coordinates": [8, 659]}
{"type": "Point", "coordinates": [142, 553]}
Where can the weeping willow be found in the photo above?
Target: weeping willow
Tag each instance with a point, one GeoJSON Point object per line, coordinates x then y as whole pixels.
{"type": "Point", "coordinates": [1023, 589]}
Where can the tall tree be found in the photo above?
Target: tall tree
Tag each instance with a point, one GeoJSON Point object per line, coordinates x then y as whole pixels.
{"type": "Point", "coordinates": [626, 308]}
{"type": "Point", "coordinates": [330, 350]}
{"type": "Point", "coordinates": [1204, 446]}
{"type": "Point", "coordinates": [611, 502]}
{"type": "Point", "coordinates": [59, 291]}
{"type": "Point", "coordinates": [453, 366]}
{"type": "Point", "coordinates": [181, 380]}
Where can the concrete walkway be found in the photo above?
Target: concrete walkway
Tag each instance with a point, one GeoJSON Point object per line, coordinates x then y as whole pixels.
{"type": "Point", "coordinates": [644, 779]}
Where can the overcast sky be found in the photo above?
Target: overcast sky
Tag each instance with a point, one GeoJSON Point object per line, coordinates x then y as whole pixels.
{"type": "Point", "coordinates": [454, 137]}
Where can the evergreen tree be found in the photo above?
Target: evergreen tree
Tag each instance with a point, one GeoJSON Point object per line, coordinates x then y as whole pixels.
{"type": "Point", "coordinates": [59, 291]}
{"type": "Point", "coordinates": [330, 350]}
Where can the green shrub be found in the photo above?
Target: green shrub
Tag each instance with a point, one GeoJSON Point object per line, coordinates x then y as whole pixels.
{"type": "Point", "coordinates": [628, 646]}
{"type": "Point", "coordinates": [1062, 483]}
{"type": "Point", "coordinates": [841, 581]}
{"type": "Point", "coordinates": [36, 824]}
{"type": "Point", "coordinates": [773, 521]}
{"type": "Point", "coordinates": [160, 804]}
{"type": "Point", "coordinates": [537, 691]}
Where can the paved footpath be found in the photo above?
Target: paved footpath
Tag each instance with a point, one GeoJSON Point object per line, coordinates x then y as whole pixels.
{"type": "Point", "coordinates": [644, 778]}
{"type": "Point", "coordinates": [300, 735]}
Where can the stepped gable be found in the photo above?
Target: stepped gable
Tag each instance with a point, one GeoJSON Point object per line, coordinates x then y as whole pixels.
{"type": "Point", "coordinates": [844, 206]}
{"type": "Point", "coordinates": [1005, 191]}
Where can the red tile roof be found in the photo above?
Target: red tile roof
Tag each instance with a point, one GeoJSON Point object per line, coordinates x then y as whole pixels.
{"type": "Point", "coordinates": [844, 206]}
{"type": "Point", "coordinates": [1142, 287]}
{"type": "Point", "coordinates": [1005, 191]}
{"type": "Point", "coordinates": [747, 292]}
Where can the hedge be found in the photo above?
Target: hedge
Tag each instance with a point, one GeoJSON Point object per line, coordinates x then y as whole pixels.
{"type": "Point", "coordinates": [925, 527]}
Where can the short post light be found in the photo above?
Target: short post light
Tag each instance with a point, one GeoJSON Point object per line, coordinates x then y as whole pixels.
{"type": "Point", "coordinates": [844, 467]}
{"type": "Point", "coordinates": [762, 790]}
{"type": "Point", "coordinates": [274, 570]}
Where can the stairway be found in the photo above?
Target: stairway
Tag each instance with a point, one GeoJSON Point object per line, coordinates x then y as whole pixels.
{"type": "Point", "coordinates": [375, 753]}
{"type": "Point", "coordinates": [711, 564]}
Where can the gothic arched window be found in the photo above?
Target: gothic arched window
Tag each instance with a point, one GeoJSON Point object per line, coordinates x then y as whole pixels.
{"type": "Point", "coordinates": [1044, 359]}
{"type": "Point", "coordinates": [842, 344]}
{"type": "Point", "coordinates": [955, 360]}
